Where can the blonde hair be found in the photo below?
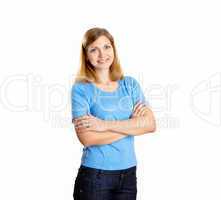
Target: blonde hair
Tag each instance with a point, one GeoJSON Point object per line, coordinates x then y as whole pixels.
{"type": "Point", "coordinates": [86, 72]}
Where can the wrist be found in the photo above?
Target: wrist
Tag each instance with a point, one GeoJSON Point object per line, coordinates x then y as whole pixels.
{"type": "Point", "coordinates": [108, 125]}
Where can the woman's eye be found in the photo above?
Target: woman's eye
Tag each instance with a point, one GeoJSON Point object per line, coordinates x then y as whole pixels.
{"type": "Point", "coordinates": [92, 50]}
{"type": "Point", "coordinates": [107, 46]}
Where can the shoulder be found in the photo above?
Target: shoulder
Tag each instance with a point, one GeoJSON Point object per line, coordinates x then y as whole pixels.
{"type": "Point", "coordinates": [80, 87]}
{"type": "Point", "coordinates": [131, 81]}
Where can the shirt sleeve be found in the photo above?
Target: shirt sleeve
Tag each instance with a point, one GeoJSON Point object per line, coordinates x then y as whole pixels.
{"type": "Point", "coordinates": [137, 93]}
{"type": "Point", "coordinates": [79, 102]}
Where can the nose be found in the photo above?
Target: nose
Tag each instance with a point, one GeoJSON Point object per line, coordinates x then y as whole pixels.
{"type": "Point", "coordinates": [101, 53]}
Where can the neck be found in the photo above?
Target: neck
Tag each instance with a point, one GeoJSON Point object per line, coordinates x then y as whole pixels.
{"type": "Point", "coordinates": [103, 76]}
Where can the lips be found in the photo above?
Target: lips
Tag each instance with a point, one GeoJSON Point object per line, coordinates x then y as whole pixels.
{"type": "Point", "coordinates": [103, 60]}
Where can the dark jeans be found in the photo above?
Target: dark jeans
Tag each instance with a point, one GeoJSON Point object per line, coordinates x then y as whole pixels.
{"type": "Point", "coordinates": [96, 184]}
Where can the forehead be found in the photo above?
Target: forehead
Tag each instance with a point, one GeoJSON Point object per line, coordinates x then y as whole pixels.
{"type": "Point", "coordinates": [100, 41]}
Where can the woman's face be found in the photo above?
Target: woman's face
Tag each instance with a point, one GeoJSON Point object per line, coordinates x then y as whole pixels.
{"type": "Point", "coordinates": [100, 53]}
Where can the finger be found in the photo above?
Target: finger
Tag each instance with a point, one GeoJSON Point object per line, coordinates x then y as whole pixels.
{"type": "Point", "coordinates": [81, 118]}
{"type": "Point", "coordinates": [82, 129]}
{"type": "Point", "coordinates": [83, 124]}
{"type": "Point", "coordinates": [140, 109]}
{"type": "Point", "coordinates": [135, 111]}
{"type": "Point", "coordinates": [137, 104]}
{"type": "Point", "coordinates": [82, 121]}
{"type": "Point", "coordinates": [136, 108]}
{"type": "Point", "coordinates": [141, 112]}
{"type": "Point", "coordinates": [134, 115]}
{"type": "Point", "coordinates": [140, 105]}
{"type": "Point", "coordinates": [145, 111]}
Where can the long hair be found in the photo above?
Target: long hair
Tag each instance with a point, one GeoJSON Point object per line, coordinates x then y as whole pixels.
{"type": "Point", "coordinates": [86, 72]}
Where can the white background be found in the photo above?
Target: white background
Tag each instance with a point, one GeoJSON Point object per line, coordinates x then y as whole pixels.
{"type": "Point", "coordinates": [173, 48]}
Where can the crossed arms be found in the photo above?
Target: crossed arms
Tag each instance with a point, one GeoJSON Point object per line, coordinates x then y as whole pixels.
{"type": "Point", "coordinates": [91, 130]}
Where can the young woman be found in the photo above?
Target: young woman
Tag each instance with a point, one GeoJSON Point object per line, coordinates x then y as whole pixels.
{"type": "Point", "coordinates": [108, 110]}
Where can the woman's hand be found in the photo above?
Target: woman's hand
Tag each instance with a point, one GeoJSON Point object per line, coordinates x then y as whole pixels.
{"type": "Point", "coordinates": [89, 123]}
{"type": "Point", "coordinates": [140, 109]}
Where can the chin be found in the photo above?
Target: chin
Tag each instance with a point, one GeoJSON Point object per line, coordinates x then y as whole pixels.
{"type": "Point", "coordinates": [102, 67]}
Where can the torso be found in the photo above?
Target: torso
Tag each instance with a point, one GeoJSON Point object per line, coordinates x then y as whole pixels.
{"type": "Point", "coordinates": [117, 104]}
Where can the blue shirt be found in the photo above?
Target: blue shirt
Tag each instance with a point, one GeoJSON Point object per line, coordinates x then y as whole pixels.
{"type": "Point", "coordinates": [117, 105]}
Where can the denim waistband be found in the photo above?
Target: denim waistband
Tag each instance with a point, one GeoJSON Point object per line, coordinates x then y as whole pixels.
{"type": "Point", "coordinates": [101, 171]}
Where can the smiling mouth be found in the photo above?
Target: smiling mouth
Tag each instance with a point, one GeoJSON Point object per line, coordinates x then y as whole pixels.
{"type": "Point", "coordinates": [103, 60]}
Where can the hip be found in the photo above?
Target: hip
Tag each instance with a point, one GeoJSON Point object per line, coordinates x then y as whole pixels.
{"type": "Point", "coordinates": [92, 183]}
